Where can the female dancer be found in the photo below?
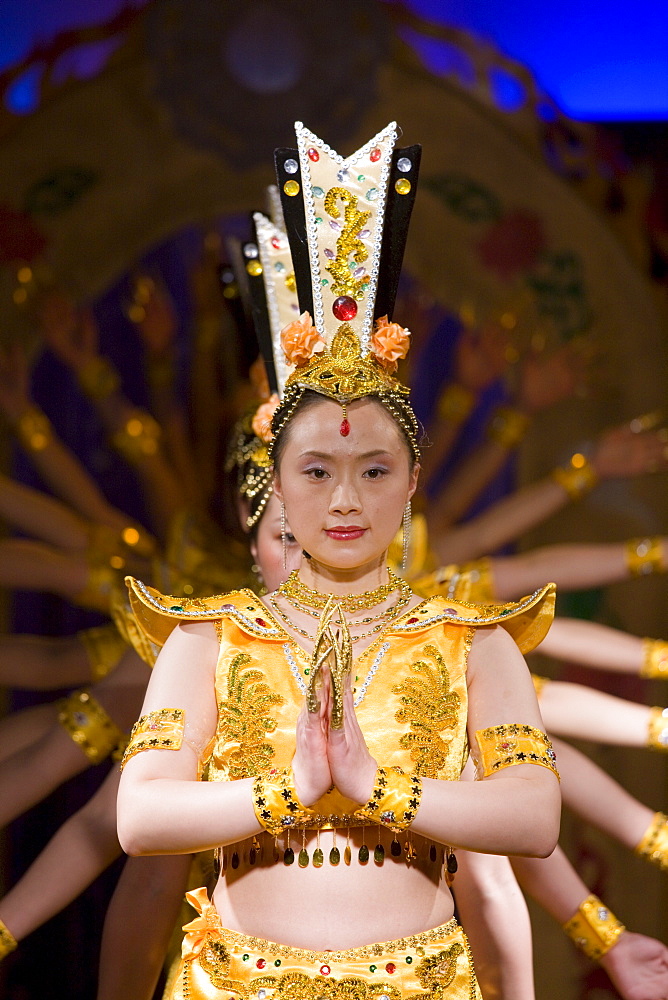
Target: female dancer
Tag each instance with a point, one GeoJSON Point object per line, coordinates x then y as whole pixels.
{"type": "Point", "coordinates": [345, 460]}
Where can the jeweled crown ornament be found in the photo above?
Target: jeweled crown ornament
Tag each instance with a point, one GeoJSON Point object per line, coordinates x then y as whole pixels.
{"type": "Point", "coordinates": [346, 221]}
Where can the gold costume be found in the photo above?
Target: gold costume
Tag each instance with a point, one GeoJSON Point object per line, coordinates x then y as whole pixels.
{"type": "Point", "coordinates": [411, 703]}
{"type": "Point", "coordinates": [218, 963]}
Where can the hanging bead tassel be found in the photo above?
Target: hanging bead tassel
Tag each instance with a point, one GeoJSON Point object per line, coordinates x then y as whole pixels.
{"type": "Point", "coordinates": [335, 853]}
{"type": "Point", "coordinates": [283, 542]}
{"type": "Point", "coordinates": [344, 429]}
{"type": "Point", "coordinates": [406, 524]}
{"type": "Point", "coordinates": [302, 860]}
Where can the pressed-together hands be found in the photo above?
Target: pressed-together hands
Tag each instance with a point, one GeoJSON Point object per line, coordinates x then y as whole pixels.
{"type": "Point", "coordinates": [330, 749]}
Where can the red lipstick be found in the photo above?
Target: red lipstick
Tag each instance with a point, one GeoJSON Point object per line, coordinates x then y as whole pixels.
{"type": "Point", "coordinates": [345, 532]}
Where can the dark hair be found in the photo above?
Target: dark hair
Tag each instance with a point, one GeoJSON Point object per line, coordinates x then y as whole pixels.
{"type": "Point", "coordinates": [303, 399]}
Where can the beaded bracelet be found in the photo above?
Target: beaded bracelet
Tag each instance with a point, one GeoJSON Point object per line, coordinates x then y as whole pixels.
{"type": "Point", "coordinates": [508, 427]}
{"type": "Point", "coordinates": [34, 430]}
{"type": "Point", "coordinates": [159, 730]}
{"type": "Point", "coordinates": [653, 846]}
{"type": "Point", "coordinates": [456, 404]}
{"type": "Point", "coordinates": [98, 378]}
{"type": "Point", "coordinates": [503, 746]}
{"type": "Point", "coordinates": [276, 802]}
{"type": "Point", "coordinates": [8, 942]}
{"type": "Point", "coordinates": [644, 555]}
{"type": "Point", "coordinates": [89, 725]}
{"type": "Point", "coordinates": [657, 734]}
{"type": "Point", "coordinates": [578, 477]}
{"type": "Point", "coordinates": [594, 928]}
{"type": "Point", "coordinates": [395, 799]}
{"type": "Point", "coordinates": [654, 658]}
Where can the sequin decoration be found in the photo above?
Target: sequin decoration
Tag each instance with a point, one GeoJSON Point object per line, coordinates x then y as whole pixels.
{"type": "Point", "coordinates": [291, 188]}
{"type": "Point", "coordinates": [402, 186]}
{"type": "Point", "coordinates": [254, 267]}
{"type": "Point", "coordinates": [348, 243]}
{"type": "Point", "coordinates": [404, 164]}
{"type": "Point", "coordinates": [291, 166]}
{"type": "Point", "coordinates": [429, 707]}
{"type": "Point", "coordinates": [244, 721]}
{"type": "Point", "coordinates": [374, 155]}
{"type": "Point", "coordinates": [313, 154]}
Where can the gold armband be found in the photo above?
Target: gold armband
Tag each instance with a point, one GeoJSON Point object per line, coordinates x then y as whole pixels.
{"type": "Point", "coordinates": [276, 802]}
{"type": "Point", "coordinates": [503, 746]}
{"type": "Point", "coordinates": [160, 730]}
{"type": "Point", "coordinates": [139, 438]}
{"type": "Point", "coordinates": [654, 844]}
{"type": "Point", "coordinates": [104, 647]}
{"type": "Point", "coordinates": [89, 725]}
{"type": "Point", "coordinates": [654, 658]}
{"type": "Point", "coordinates": [508, 427]}
{"type": "Point", "coordinates": [8, 942]}
{"type": "Point", "coordinates": [456, 404]}
{"type": "Point", "coordinates": [34, 430]}
{"type": "Point", "coordinates": [98, 378]}
{"type": "Point", "coordinates": [657, 735]}
{"type": "Point", "coordinates": [578, 477]}
{"type": "Point", "coordinates": [644, 555]}
{"type": "Point", "coordinates": [594, 928]}
{"type": "Point", "coordinates": [395, 799]}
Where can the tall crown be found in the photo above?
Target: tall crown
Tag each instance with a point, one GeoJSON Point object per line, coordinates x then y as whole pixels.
{"type": "Point", "coordinates": [346, 221]}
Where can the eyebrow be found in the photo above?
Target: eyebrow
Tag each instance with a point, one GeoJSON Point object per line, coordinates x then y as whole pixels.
{"type": "Point", "coordinates": [367, 454]}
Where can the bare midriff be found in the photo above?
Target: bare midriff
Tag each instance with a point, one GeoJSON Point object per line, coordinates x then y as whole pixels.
{"type": "Point", "coordinates": [335, 907]}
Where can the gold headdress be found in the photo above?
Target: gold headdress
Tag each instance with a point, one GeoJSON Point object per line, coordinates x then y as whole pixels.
{"type": "Point", "coordinates": [346, 222]}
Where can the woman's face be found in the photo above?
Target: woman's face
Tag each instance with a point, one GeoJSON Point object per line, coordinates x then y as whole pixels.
{"type": "Point", "coordinates": [267, 546]}
{"type": "Point", "coordinates": [345, 496]}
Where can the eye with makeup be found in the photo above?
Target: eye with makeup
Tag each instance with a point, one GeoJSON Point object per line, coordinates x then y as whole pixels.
{"type": "Point", "coordinates": [317, 474]}
{"type": "Point", "coordinates": [376, 473]}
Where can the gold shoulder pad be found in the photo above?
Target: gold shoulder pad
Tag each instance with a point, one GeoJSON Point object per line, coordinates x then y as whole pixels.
{"type": "Point", "coordinates": [156, 614]}
{"type": "Point", "coordinates": [527, 620]}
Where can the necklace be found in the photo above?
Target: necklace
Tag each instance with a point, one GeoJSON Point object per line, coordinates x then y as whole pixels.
{"type": "Point", "coordinates": [296, 589]}
{"type": "Point", "coordinates": [387, 617]}
{"type": "Point", "coordinates": [298, 606]}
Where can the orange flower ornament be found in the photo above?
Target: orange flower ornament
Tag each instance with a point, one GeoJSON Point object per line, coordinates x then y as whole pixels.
{"type": "Point", "coordinates": [390, 342]}
{"type": "Point", "coordinates": [262, 420]}
{"type": "Point", "coordinates": [300, 340]}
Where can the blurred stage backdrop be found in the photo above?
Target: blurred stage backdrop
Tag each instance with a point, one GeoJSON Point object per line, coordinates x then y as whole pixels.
{"type": "Point", "coordinates": [129, 129]}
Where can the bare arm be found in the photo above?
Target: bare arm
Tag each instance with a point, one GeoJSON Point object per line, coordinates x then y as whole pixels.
{"type": "Point", "coordinates": [637, 965]}
{"type": "Point", "coordinates": [583, 713]}
{"type": "Point", "coordinates": [593, 645]}
{"type": "Point", "coordinates": [572, 567]}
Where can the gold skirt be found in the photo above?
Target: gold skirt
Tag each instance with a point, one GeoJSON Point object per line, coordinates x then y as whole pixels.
{"type": "Point", "coordinates": [220, 964]}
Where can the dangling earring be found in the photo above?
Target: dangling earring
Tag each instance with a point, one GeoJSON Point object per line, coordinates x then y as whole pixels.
{"type": "Point", "coordinates": [283, 542]}
{"type": "Point", "coordinates": [406, 525]}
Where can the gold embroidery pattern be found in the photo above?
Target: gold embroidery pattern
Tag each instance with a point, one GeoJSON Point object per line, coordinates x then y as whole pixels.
{"type": "Point", "coordinates": [299, 986]}
{"type": "Point", "coordinates": [244, 719]}
{"type": "Point", "coordinates": [437, 972]}
{"type": "Point", "coordinates": [429, 708]}
{"type": "Point", "coordinates": [348, 243]}
{"type": "Point", "coordinates": [215, 960]}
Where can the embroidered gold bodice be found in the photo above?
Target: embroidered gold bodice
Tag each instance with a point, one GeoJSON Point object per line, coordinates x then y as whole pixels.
{"type": "Point", "coordinates": [409, 685]}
